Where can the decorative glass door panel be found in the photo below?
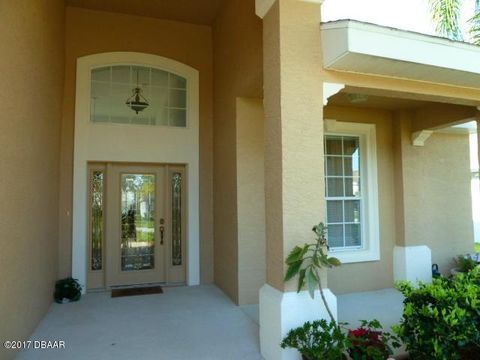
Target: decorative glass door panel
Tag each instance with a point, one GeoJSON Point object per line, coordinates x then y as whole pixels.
{"type": "Point", "coordinates": [177, 227]}
{"type": "Point", "coordinates": [96, 219]}
{"type": "Point", "coordinates": [96, 226]}
{"type": "Point", "coordinates": [138, 222]}
{"type": "Point", "coordinates": [137, 205]}
{"type": "Point", "coordinates": [177, 219]}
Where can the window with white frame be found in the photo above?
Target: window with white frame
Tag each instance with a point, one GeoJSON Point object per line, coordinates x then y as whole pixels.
{"type": "Point", "coordinates": [342, 169]}
{"type": "Point", "coordinates": [351, 191]}
{"type": "Point", "coordinates": [163, 93]}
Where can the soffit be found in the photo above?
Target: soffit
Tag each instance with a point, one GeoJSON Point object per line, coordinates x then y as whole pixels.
{"type": "Point", "coordinates": [377, 102]}
{"type": "Point", "coordinates": [201, 12]}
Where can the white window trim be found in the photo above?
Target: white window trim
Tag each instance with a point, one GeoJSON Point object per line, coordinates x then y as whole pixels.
{"type": "Point", "coordinates": [370, 250]}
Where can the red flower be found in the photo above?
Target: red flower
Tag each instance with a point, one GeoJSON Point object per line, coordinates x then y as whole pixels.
{"type": "Point", "coordinates": [365, 337]}
{"type": "Point", "coordinates": [360, 332]}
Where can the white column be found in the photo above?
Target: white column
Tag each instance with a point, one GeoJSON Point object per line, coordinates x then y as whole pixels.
{"type": "Point", "coordinates": [412, 263]}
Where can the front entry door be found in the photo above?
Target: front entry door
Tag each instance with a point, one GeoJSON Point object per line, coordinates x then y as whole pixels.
{"type": "Point", "coordinates": [136, 224]}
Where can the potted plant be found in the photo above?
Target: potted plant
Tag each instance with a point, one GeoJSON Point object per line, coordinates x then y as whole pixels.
{"type": "Point", "coordinates": [67, 290]}
{"type": "Point", "coordinates": [370, 342]}
{"type": "Point", "coordinates": [441, 320]}
{"type": "Point", "coordinates": [318, 340]}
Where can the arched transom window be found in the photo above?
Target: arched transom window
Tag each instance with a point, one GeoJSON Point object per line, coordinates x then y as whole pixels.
{"type": "Point", "coordinates": [163, 96]}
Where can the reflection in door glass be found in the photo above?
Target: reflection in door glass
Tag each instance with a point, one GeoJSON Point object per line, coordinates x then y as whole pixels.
{"type": "Point", "coordinates": [138, 221]}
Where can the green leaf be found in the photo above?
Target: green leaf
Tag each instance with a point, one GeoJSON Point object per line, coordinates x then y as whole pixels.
{"type": "Point", "coordinates": [333, 261]}
{"type": "Point", "coordinates": [294, 255]}
{"type": "Point", "coordinates": [475, 28]}
{"type": "Point", "coordinates": [446, 16]}
{"type": "Point", "coordinates": [312, 282]}
{"type": "Point", "coordinates": [316, 260]}
{"type": "Point", "coordinates": [324, 260]}
{"type": "Point", "coordinates": [301, 280]}
{"type": "Point", "coordinates": [293, 270]}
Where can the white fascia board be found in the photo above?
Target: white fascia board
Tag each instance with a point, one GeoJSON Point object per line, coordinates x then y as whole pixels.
{"type": "Point", "coordinates": [368, 42]}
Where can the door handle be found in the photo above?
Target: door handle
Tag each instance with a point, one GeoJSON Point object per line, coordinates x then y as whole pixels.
{"type": "Point", "coordinates": [162, 232]}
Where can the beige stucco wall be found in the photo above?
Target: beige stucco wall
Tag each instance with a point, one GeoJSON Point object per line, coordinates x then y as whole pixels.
{"type": "Point", "coordinates": [250, 199]}
{"type": "Point", "coordinates": [237, 41]}
{"type": "Point", "coordinates": [424, 196]}
{"type": "Point", "coordinates": [293, 96]}
{"type": "Point", "coordinates": [91, 32]}
{"type": "Point", "coordinates": [31, 89]}
{"type": "Point", "coordinates": [437, 197]}
{"type": "Point", "coordinates": [376, 274]}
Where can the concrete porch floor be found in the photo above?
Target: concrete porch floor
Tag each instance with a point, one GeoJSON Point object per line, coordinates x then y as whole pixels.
{"type": "Point", "coordinates": [197, 322]}
{"type": "Point", "coordinates": [184, 323]}
{"type": "Point", "coordinates": [385, 305]}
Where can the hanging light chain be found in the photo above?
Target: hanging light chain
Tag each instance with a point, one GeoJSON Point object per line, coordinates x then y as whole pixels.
{"type": "Point", "coordinates": [137, 102]}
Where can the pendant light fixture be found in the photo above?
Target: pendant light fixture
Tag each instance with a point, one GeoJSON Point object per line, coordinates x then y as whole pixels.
{"type": "Point", "coordinates": [137, 102]}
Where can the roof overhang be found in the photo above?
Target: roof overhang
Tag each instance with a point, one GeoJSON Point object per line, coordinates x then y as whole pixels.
{"type": "Point", "coordinates": [359, 47]}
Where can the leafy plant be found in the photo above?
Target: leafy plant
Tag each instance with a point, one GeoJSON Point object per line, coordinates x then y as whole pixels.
{"type": "Point", "coordinates": [307, 261]}
{"type": "Point", "coordinates": [441, 320]}
{"type": "Point", "coordinates": [465, 263]}
{"type": "Point", "coordinates": [446, 16]}
{"type": "Point", "coordinates": [475, 27]}
{"type": "Point", "coordinates": [318, 340]}
{"type": "Point", "coordinates": [370, 342]}
{"type": "Point", "coordinates": [67, 288]}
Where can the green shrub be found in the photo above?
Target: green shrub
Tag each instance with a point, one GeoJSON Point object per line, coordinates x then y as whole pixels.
{"type": "Point", "coordinates": [441, 320]}
{"type": "Point", "coordinates": [318, 340]}
{"type": "Point", "coordinates": [465, 263]}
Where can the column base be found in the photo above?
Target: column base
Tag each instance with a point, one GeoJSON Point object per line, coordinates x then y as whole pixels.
{"type": "Point", "coordinates": [281, 312]}
{"type": "Point", "coordinates": [412, 263]}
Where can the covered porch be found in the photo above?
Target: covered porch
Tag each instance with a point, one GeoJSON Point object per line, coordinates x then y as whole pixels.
{"type": "Point", "coordinates": [271, 131]}
{"type": "Point", "coordinates": [197, 322]}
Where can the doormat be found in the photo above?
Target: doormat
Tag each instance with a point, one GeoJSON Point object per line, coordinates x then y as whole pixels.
{"type": "Point", "coordinates": [133, 291]}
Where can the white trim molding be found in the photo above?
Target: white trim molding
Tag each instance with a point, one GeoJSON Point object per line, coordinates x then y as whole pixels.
{"type": "Point", "coordinates": [106, 142]}
{"type": "Point", "coordinates": [262, 7]}
{"type": "Point", "coordinates": [412, 263]}
{"type": "Point", "coordinates": [370, 250]}
{"type": "Point", "coordinates": [419, 137]}
{"type": "Point", "coordinates": [330, 89]}
{"type": "Point", "coordinates": [282, 311]}
{"type": "Point", "coordinates": [359, 47]}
